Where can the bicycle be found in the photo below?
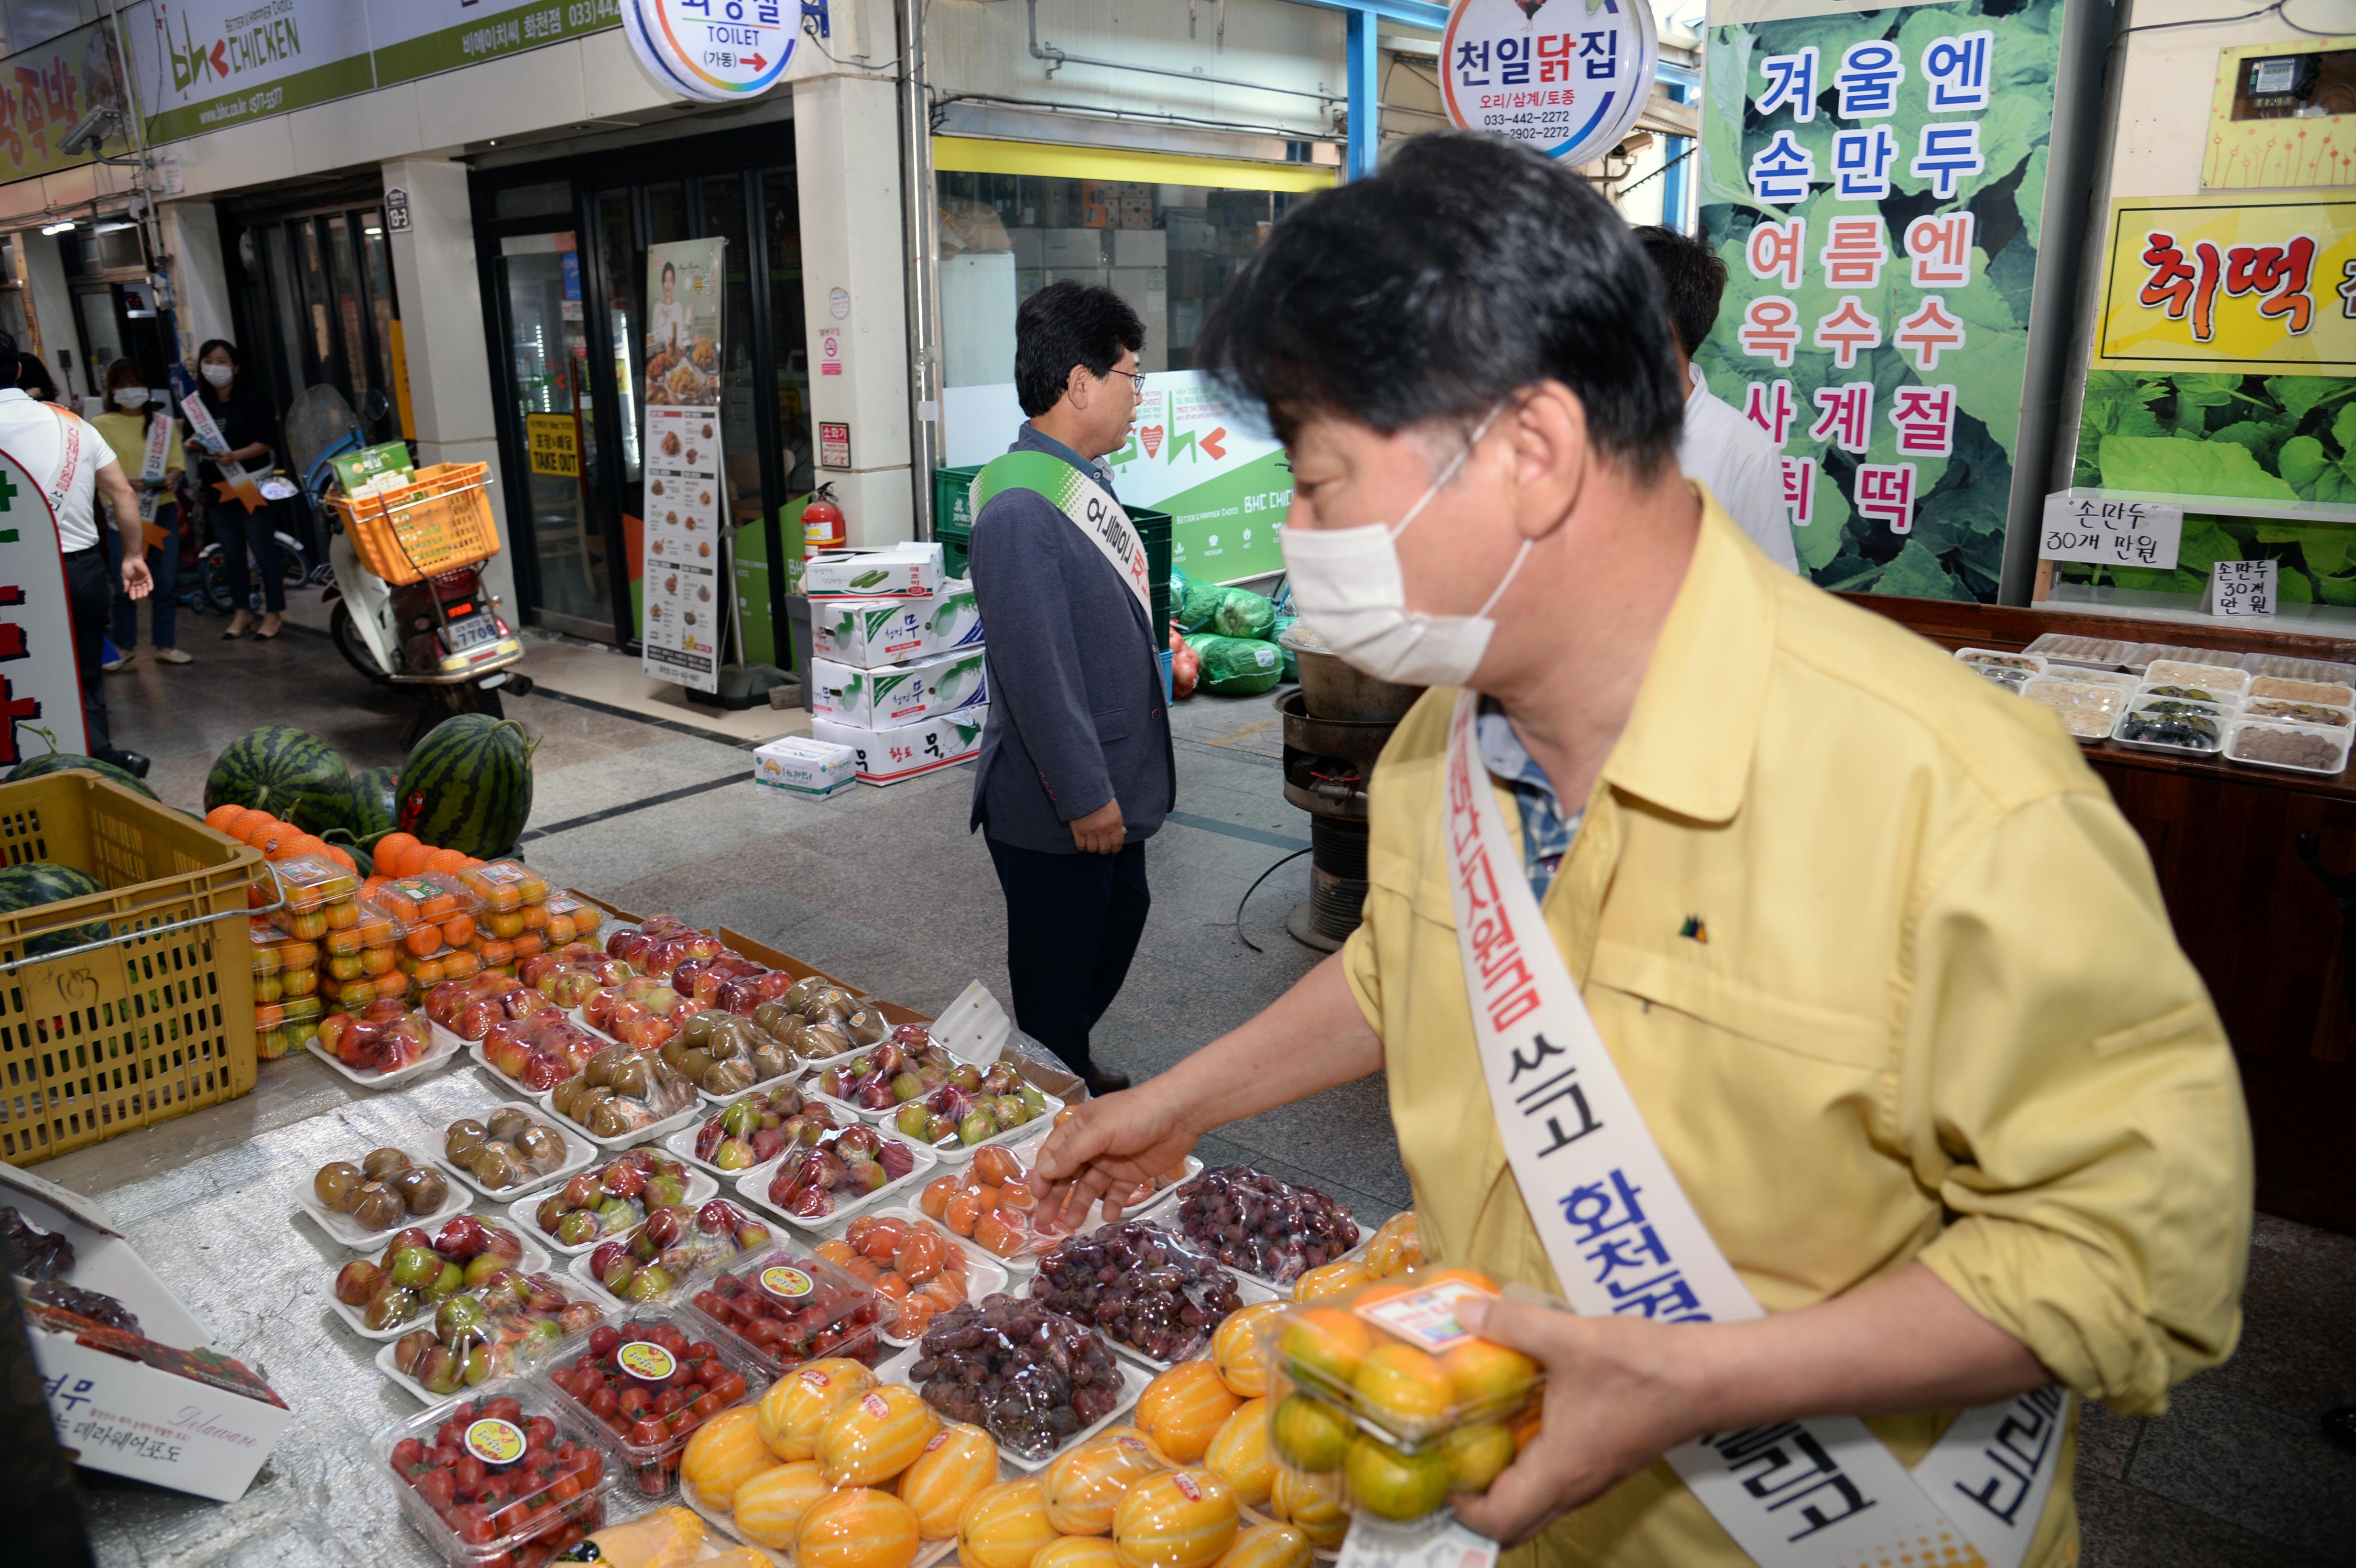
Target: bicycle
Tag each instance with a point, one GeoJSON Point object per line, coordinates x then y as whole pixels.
{"type": "Point", "coordinates": [212, 574]}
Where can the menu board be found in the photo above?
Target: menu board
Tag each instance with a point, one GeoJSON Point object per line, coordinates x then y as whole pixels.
{"type": "Point", "coordinates": [681, 570]}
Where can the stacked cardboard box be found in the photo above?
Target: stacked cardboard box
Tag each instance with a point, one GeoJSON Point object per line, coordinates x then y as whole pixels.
{"type": "Point", "coordinates": [898, 672]}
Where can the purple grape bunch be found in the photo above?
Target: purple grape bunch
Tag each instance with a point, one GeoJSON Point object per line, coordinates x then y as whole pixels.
{"type": "Point", "coordinates": [1140, 1286]}
{"type": "Point", "coordinates": [35, 1253]}
{"type": "Point", "coordinates": [95, 1304]}
{"type": "Point", "coordinates": [1032, 1377]}
{"type": "Point", "coordinates": [1249, 1220]}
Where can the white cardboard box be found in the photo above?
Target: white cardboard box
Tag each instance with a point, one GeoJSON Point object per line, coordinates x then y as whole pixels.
{"type": "Point", "coordinates": [799, 765]}
{"type": "Point", "coordinates": [957, 616]}
{"type": "Point", "coordinates": [870, 631]}
{"type": "Point", "coordinates": [126, 1410]}
{"type": "Point", "coordinates": [904, 572]}
{"type": "Point", "coordinates": [889, 696]}
{"type": "Point", "coordinates": [954, 679]}
{"type": "Point", "coordinates": [890, 756]}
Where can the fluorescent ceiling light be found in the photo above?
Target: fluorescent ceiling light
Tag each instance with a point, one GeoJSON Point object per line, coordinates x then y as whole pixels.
{"type": "Point", "coordinates": [115, 228]}
{"type": "Point", "coordinates": [63, 228]}
{"type": "Point", "coordinates": [372, 232]}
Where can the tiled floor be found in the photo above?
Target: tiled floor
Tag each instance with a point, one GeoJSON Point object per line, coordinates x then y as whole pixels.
{"type": "Point", "coordinates": [888, 888]}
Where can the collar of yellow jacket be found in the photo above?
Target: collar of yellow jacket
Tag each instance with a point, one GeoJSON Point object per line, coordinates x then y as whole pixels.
{"type": "Point", "coordinates": [1689, 742]}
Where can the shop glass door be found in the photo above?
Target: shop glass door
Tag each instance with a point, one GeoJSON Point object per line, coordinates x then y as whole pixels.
{"type": "Point", "coordinates": [547, 352]}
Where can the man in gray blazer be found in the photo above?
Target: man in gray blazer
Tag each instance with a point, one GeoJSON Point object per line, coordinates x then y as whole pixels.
{"type": "Point", "coordinates": [1076, 769]}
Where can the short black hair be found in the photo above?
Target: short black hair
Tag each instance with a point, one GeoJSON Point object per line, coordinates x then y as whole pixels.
{"type": "Point", "coordinates": [33, 376]}
{"type": "Point", "coordinates": [236, 361]}
{"type": "Point", "coordinates": [1692, 276]}
{"type": "Point", "coordinates": [1064, 325]}
{"type": "Point", "coordinates": [1467, 269]}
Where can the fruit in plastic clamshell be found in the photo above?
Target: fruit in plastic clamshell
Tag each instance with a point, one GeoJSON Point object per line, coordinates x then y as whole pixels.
{"type": "Point", "coordinates": [1309, 1434]}
{"type": "Point", "coordinates": [1477, 1454]}
{"type": "Point", "coordinates": [1396, 1484]}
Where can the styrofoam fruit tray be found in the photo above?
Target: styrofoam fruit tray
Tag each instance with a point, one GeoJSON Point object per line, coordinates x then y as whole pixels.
{"type": "Point", "coordinates": [435, 1059]}
{"type": "Point", "coordinates": [651, 1132]}
{"type": "Point", "coordinates": [579, 1154]}
{"type": "Point", "coordinates": [949, 1154]}
{"type": "Point", "coordinates": [2283, 668]}
{"type": "Point", "coordinates": [340, 1229]}
{"type": "Point", "coordinates": [419, 1392]}
{"type": "Point", "coordinates": [535, 1260]}
{"type": "Point", "coordinates": [700, 1187]}
{"type": "Point", "coordinates": [499, 1083]}
{"type": "Point", "coordinates": [1145, 1210]}
{"type": "Point", "coordinates": [578, 1267]}
{"type": "Point", "coordinates": [1133, 1379]}
{"type": "Point", "coordinates": [752, 1186]}
{"type": "Point", "coordinates": [2337, 739]}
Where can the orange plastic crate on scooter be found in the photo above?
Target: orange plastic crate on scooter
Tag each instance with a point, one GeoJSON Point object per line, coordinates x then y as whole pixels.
{"type": "Point", "coordinates": [442, 520]}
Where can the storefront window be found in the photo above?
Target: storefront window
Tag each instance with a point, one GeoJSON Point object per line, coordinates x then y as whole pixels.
{"type": "Point", "coordinates": [348, 301]}
{"type": "Point", "coordinates": [379, 262]}
{"type": "Point", "coordinates": [666, 213]}
{"type": "Point", "coordinates": [288, 309]}
{"type": "Point", "coordinates": [723, 218]}
{"type": "Point", "coordinates": [622, 316]}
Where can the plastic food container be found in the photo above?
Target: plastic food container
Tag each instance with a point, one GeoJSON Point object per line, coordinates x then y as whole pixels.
{"type": "Point", "coordinates": [570, 920]}
{"type": "Point", "coordinates": [2118, 678]}
{"type": "Point", "coordinates": [902, 1370]}
{"type": "Point", "coordinates": [866, 1249]}
{"type": "Point", "coordinates": [345, 1231]}
{"type": "Point", "coordinates": [2283, 668]}
{"type": "Point", "coordinates": [319, 897]}
{"type": "Point", "coordinates": [506, 884]}
{"type": "Point", "coordinates": [525, 1212]}
{"type": "Point", "coordinates": [2098, 653]}
{"type": "Point", "coordinates": [532, 1261]}
{"type": "Point", "coordinates": [646, 1360]}
{"type": "Point", "coordinates": [764, 1101]}
{"type": "Point", "coordinates": [754, 1185]}
{"type": "Point", "coordinates": [707, 1240]}
{"type": "Point", "coordinates": [2193, 730]}
{"type": "Point", "coordinates": [2334, 693]}
{"type": "Point", "coordinates": [537, 1454]}
{"type": "Point", "coordinates": [785, 1307]}
{"type": "Point", "coordinates": [1998, 658]}
{"type": "Point", "coordinates": [2089, 709]}
{"type": "Point", "coordinates": [660, 1126]}
{"type": "Point", "coordinates": [2212, 692]}
{"type": "Point", "coordinates": [1167, 1296]}
{"type": "Point", "coordinates": [2012, 680]}
{"type": "Point", "coordinates": [2232, 683]}
{"type": "Point", "coordinates": [2295, 748]}
{"type": "Point", "coordinates": [1366, 1389]}
{"type": "Point", "coordinates": [2283, 710]}
{"type": "Point", "coordinates": [2144, 654]}
{"type": "Point", "coordinates": [578, 1153]}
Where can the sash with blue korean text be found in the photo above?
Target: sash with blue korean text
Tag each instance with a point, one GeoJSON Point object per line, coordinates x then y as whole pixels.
{"type": "Point", "coordinates": [1623, 1238]}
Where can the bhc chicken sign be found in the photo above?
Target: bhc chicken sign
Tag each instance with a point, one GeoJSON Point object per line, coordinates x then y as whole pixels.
{"type": "Point", "coordinates": [38, 684]}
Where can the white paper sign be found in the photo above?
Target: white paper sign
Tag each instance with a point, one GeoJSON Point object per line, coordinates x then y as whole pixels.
{"type": "Point", "coordinates": [2111, 533]}
{"type": "Point", "coordinates": [2241, 588]}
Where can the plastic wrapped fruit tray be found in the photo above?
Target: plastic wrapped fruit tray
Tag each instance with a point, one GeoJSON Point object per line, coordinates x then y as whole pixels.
{"type": "Point", "coordinates": [386, 1363]}
{"type": "Point", "coordinates": [522, 1213]}
{"type": "Point", "coordinates": [579, 1154]}
{"type": "Point", "coordinates": [1133, 1379]}
{"type": "Point", "coordinates": [512, 1422]}
{"type": "Point", "coordinates": [441, 1047]}
{"type": "Point", "coordinates": [650, 1461]}
{"type": "Point", "coordinates": [949, 1153]}
{"type": "Point", "coordinates": [533, 1260]}
{"type": "Point", "coordinates": [1168, 1213]}
{"type": "Point", "coordinates": [753, 1188]}
{"type": "Point", "coordinates": [583, 1269]}
{"type": "Point", "coordinates": [340, 1229]}
{"type": "Point", "coordinates": [1149, 1210]}
{"type": "Point", "coordinates": [1174, 1250]}
{"type": "Point", "coordinates": [791, 1076]}
{"type": "Point", "coordinates": [984, 1276]}
{"type": "Point", "coordinates": [816, 1309]}
{"type": "Point", "coordinates": [927, 1552]}
{"type": "Point", "coordinates": [652, 1132]}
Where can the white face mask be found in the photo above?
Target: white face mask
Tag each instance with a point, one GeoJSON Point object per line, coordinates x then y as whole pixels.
{"type": "Point", "coordinates": [218, 375]}
{"type": "Point", "coordinates": [1350, 589]}
{"type": "Point", "coordinates": [130, 397]}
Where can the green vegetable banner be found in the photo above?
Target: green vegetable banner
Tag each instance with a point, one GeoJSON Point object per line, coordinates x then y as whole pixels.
{"type": "Point", "coordinates": [1875, 185]}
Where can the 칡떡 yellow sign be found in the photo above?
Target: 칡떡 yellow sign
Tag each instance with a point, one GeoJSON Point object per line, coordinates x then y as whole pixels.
{"type": "Point", "coordinates": [553, 444]}
{"type": "Point", "coordinates": [2247, 284]}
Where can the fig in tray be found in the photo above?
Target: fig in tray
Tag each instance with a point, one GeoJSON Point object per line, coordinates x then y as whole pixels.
{"type": "Point", "coordinates": [761, 1126]}
{"type": "Point", "coordinates": [606, 1202]}
{"type": "Point", "coordinates": [672, 1242]}
{"type": "Point", "coordinates": [842, 1166]}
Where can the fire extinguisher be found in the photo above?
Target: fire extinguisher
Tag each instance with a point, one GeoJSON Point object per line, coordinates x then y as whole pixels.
{"type": "Point", "coordinates": [822, 521]}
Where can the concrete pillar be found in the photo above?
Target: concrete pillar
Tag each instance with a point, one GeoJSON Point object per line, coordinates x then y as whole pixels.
{"type": "Point", "coordinates": [847, 165]}
{"type": "Point", "coordinates": [442, 327]}
{"type": "Point", "coordinates": [52, 303]}
{"type": "Point", "coordinates": [199, 274]}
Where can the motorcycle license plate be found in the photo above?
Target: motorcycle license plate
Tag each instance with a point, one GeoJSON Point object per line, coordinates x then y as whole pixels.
{"type": "Point", "coordinates": [470, 631]}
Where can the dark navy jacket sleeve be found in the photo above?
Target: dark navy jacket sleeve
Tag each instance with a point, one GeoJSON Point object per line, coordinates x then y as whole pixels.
{"type": "Point", "coordinates": [1036, 672]}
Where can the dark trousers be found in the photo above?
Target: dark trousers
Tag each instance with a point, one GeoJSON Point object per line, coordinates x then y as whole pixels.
{"type": "Point", "coordinates": [89, 602]}
{"type": "Point", "coordinates": [1072, 925]}
{"type": "Point", "coordinates": [235, 527]}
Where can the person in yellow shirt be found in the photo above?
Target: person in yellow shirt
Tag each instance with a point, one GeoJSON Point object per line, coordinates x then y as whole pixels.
{"type": "Point", "coordinates": [124, 425]}
{"type": "Point", "coordinates": [1865, 961]}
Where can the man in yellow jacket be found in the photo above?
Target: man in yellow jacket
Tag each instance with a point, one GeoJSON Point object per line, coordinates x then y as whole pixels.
{"type": "Point", "coordinates": [1876, 988]}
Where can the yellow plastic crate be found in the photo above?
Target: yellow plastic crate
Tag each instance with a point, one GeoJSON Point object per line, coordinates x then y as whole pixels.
{"type": "Point", "coordinates": [156, 1023]}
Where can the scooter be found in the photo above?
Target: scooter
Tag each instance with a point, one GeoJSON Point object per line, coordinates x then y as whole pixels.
{"type": "Point", "coordinates": [442, 634]}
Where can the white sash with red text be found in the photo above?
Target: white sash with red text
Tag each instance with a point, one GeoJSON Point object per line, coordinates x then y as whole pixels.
{"type": "Point", "coordinates": [1623, 1238]}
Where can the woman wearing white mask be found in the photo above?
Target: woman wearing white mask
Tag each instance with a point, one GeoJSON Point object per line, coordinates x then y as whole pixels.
{"type": "Point", "coordinates": [240, 405]}
{"type": "Point", "coordinates": [128, 425]}
{"type": "Point", "coordinates": [1744, 970]}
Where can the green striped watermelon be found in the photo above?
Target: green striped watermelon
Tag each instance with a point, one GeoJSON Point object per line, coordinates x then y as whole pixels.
{"type": "Point", "coordinates": [285, 772]}
{"type": "Point", "coordinates": [57, 761]}
{"type": "Point", "coordinates": [38, 882]}
{"type": "Point", "coordinates": [374, 808]}
{"type": "Point", "coordinates": [467, 785]}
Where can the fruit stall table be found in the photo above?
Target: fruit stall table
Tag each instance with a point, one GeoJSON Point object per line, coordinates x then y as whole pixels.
{"type": "Point", "coordinates": [2270, 938]}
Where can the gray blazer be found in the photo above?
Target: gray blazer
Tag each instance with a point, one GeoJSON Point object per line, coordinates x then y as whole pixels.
{"type": "Point", "coordinates": [1075, 711]}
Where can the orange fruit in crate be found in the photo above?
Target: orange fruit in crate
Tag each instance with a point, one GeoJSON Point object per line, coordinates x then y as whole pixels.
{"type": "Point", "coordinates": [1402, 1384]}
{"type": "Point", "coordinates": [1005, 1525]}
{"type": "Point", "coordinates": [857, 1527]}
{"type": "Point", "coordinates": [1241, 1454]}
{"type": "Point", "coordinates": [1330, 1280]}
{"type": "Point", "coordinates": [957, 1461]}
{"type": "Point", "coordinates": [1269, 1546]}
{"type": "Point", "coordinates": [1183, 1409]}
{"type": "Point", "coordinates": [725, 1452]}
{"type": "Point", "coordinates": [1086, 1483]}
{"type": "Point", "coordinates": [221, 816]}
{"type": "Point", "coordinates": [795, 1410]}
{"type": "Point", "coordinates": [1236, 1347]}
{"type": "Point", "coordinates": [1299, 1500]}
{"type": "Point", "coordinates": [770, 1505]}
{"type": "Point", "coordinates": [873, 1437]}
{"type": "Point", "coordinates": [387, 850]}
{"type": "Point", "coordinates": [1180, 1519]}
{"type": "Point", "coordinates": [1077, 1552]}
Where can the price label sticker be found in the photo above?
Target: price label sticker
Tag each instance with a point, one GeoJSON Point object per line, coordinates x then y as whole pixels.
{"type": "Point", "coordinates": [1426, 1317]}
{"type": "Point", "coordinates": [495, 1442]}
{"type": "Point", "coordinates": [1438, 1542]}
{"type": "Point", "coordinates": [646, 1360]}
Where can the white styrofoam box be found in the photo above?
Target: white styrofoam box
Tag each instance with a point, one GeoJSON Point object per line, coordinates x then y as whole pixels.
{"type": "Point", "coordinates": [1189, 233]}
{"type": "Point", "coordinates": [1070, 248]}
{"type": "Point", "coordinates": [957, 616]}
{"type": "Point", "coordinates": [799, 765]}
{"type": "Point", "coordinates": [870, 631]}
{"type": "Point", "coordinates": [1139, 248]}
{"type": "Point", "coordinates": [904, 572]}
{"type": "Point", "coordinates": [891, 756]}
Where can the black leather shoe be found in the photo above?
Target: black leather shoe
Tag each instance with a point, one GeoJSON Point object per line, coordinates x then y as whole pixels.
{"type": "Point", "coordinates": [2340, 1425]}
{"type": "Point", "coordinates": [1101, 1082]}
{"type": "Point", "coordinates": [132, 763]}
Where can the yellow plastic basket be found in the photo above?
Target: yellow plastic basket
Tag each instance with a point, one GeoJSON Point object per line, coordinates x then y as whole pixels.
{"type": "Point", "coordinates": [151, 1021]}
{"type": "Point", "coordinates": [442, 521]}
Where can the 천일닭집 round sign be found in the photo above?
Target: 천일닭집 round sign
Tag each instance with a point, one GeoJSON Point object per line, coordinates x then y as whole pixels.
{"type": "Point", "coordinates": [1567, 77]}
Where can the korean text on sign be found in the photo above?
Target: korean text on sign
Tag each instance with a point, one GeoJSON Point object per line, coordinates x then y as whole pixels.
{"type": "Point", "coordinates": [2143, 534]}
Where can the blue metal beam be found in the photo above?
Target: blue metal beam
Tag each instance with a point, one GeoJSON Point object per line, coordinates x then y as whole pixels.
{"type": "Point", "coordinates": [1363, 62]}
{"type": "Point", "coordinates": [1414, 12]}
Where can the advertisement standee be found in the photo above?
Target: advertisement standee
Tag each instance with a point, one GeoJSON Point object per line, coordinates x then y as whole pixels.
{"type": "Point", "coordinates": [685, 563]}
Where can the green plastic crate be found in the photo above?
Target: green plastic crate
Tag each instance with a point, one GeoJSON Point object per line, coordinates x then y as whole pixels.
{"type": "Point", "coordinates": [953, 526]}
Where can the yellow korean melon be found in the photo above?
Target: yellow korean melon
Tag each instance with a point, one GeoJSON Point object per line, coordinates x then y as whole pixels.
{"type": "Point", "coordinates": [1269, 1546]}
{"type": "Point", "coordinates": [958, 1461]}
{"type": "Point", "coordinates": [873, 1438]}
{"type": "Point", "coordinates": [1398, 1244]}
{"type": "Point", "coordinates": [1179, 1519]}
{"type": "Point", "coordinates": [1006, 1525]}
{"type": "Point", "coordinates": [1235, 1348]}
{"type": "Point", "coordinates": [725, 1452]}
{"type": "Point", "coordinates": [1331, 1279]}
{"type": "Point", "coordinates": [1183, 1409]}
{"type": "Point", "coordinates": [1298, 1499]}
{"type": "Point", "coordinates": [858, 1527]}
{"type": "Point", "coordinates": [1085, 1484]}
{"type": "Point", "coordinates": [770, 1505]}
{"type": "Point", "coordinates": [1077, 1552]}
{"type": "Point", "coordinates": [796, 1408]}
{"type": "Point", "coordinates": [1241, 1456]}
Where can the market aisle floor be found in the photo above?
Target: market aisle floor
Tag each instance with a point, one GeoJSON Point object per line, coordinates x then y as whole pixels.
{"type": "Point", "coordinates": [886, 888]}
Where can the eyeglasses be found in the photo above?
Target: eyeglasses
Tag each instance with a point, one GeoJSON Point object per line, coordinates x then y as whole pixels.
{"type": "Point", "coordinates": [1136, 380]}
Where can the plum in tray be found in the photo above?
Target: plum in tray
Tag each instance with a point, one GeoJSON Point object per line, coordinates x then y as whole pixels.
{"type": "Point", "coordinates": [1034, 1378]}
{"type": "Point", "coordinates": [761, 1126]}
{"type": "Point", "coordinates": [468, 1007]}
{"type": "Point", "coordinates": [417, 1271]}
{"type": "Point", "coordinates": [840, 1167]}
{"type": "Point", "coordinates": [670, 1243]}
{"type": "Point", "coordinates": [954, 1114]}
{"type": "Point", "coordinates": [607, 1201]}
{"type": "Point", "coordinates": [896, 1073]}
{"type": "Point", "coordinates": [539, 1051]}
{"type": "Point", "coordinates": [384, 1036]}
{"type": "Point", "coordinates": [502, 1326]}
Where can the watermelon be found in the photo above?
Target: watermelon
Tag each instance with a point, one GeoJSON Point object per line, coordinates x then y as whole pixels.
{"type": "Point", "coordinates": [283, 771]}
{"type": "Point", "coordinates": [375, 792]}
{"type": "Point", "coordinates": [58, 762]}
{"type": "Point", "coordinates": [38, 882]}
{"type": "Point", "coordinates": [467, 785]}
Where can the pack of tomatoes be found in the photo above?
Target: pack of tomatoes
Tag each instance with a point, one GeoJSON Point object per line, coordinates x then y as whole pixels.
{"type": "Point", "coordinates": [1382, 1399]}
{"type": "Point", "coordinates": [649, 1380]}
{"type": "Point", "coordinates": [506, 1480]}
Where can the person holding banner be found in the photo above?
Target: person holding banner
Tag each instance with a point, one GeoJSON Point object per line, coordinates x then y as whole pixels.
{"type": "Point", "coordinates": [239, 409]}
{"type": "Point", "coordinates": [145, 445]}
{"type": "Point", "coordinates": [1745, 970]}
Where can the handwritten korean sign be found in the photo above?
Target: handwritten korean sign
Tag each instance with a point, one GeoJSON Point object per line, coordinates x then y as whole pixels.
{"type": "Point", "coordinates": [2240, 588]}
{"type": "Point", "coordinates": [2111, 532]}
